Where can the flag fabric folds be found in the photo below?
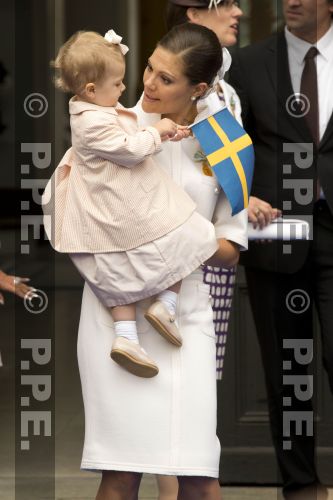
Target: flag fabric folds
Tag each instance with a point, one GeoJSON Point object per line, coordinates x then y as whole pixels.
{"type": "Point", "coordinates": [229, 151]}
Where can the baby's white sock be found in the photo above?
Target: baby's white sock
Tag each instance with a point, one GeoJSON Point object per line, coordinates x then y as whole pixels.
{"type": "Point", "coordinates": [127, 329]}
{"type": "Point", "coordinates": [169, 299]}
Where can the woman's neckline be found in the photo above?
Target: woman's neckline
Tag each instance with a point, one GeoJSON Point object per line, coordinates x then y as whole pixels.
{"type": "Point", "coordinates": [183, 120]}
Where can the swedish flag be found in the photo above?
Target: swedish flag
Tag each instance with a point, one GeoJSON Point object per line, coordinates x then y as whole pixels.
{"type": "Point", "coordinates": [230, 153]}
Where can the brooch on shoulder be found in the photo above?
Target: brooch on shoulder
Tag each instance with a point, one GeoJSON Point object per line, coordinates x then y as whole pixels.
{"type": "Point", "coordinates": [205, 167]}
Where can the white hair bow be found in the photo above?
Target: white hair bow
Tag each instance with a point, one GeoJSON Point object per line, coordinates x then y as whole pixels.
{"type": "Point", "coordinates": [215, 3]}
{"type": "Point", "coordinates": [112, 37]}
{"type": "Point", "coordinates": [226, 63]}
{"type": "Point", "coordinates": [221, 72]}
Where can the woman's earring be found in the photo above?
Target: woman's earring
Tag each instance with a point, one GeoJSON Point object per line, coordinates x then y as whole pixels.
{"type": "Point", "coordinates": [193, 98]}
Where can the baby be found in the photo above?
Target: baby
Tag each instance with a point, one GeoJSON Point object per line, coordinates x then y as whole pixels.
{"type": "Point", "coordinates": [129, 229]}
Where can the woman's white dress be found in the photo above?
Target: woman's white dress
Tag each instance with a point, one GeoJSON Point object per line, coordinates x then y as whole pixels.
{"type": "Point", "coordinates": [167, 424]}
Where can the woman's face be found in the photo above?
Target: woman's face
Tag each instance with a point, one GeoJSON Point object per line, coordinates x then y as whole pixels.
{"type": "Point", "coordinates": [224, 21]}
{"type": "Point", "coordinates": [167, 90]}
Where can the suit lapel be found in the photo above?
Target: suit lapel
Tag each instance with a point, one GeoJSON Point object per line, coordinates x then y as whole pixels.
{"type": "Point", "coordinates": [328, 132]}
{"type": "Point", "coordinates": [278, 69]}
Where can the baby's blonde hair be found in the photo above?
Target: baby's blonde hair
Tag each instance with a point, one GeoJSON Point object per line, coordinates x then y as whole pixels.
{"type": "Point", "coordinates": [85, 58]}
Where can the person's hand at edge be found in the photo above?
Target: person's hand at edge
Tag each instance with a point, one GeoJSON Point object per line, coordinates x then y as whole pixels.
{"type": "Point", "coordinates": [14, 284]}
{"type": "Point", "coordinates": [261, 213]}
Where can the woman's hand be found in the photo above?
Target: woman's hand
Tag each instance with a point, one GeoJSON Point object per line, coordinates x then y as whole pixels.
{"type": "Point", "coordinates": [261, 213]}
{"type": "Point", "coordinates": [14, 284]}
{"type": "Point", "coordinates": [227, 254]}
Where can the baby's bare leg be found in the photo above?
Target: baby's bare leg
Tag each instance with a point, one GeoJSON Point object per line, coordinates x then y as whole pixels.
{"type": "Point", "coordinates": [124, 318]}
{"type": "Point", "coordinates": [123, 313]}
{"type": "Point", "coordinates": [176, 287]}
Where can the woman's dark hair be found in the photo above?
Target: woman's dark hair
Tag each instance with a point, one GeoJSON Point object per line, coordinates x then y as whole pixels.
{"type": "Point", "coordinates": [199, 49]}
{"type": "Point", "coordinates": [175, 14]}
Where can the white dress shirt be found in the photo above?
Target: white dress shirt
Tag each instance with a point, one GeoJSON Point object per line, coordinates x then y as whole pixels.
{"type": "Point", "coordinates": [297, 50]}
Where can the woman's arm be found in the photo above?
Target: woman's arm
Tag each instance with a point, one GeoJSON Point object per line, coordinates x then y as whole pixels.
{"type": "Point", "coordinates": [227, 254]}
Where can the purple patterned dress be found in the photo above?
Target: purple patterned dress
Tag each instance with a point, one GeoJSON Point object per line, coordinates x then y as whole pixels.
{"type": "Point", "coordinates": [221, 283]}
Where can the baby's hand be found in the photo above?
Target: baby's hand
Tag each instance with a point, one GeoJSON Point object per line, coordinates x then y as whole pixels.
{"type": "Point", "coordinates": [170, 130]}
{"type": "Point", "coordinates": [182, 133]}
{"type": "Point", "coordinates": [166, 128]}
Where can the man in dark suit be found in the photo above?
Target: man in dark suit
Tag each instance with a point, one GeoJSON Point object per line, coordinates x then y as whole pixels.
{"type": "Point", "coordinates": [287, 99]}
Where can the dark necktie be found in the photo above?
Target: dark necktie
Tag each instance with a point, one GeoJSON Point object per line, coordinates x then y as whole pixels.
{"type": "Point", "coordinates": [309, 87]}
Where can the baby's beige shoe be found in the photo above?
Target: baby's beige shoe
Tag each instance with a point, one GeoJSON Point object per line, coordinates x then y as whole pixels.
{"type": "Point", "coordinates": [133, 358]}
{"type": "Point", "coordinates": [164, 322]}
